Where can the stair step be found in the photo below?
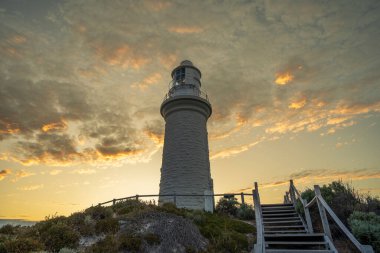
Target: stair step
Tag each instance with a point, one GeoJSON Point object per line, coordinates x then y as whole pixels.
{"type": "Point", "coordinates": [277, 207]}
{"type": "Point", "coordinates": [279, 204]}
{"type": "Point", "coordinates": [282, 218]}
{"type": "Point", "coordinates": [297, 251]}
{"type": "Point", "coordinates": [296, 243]}
{"type": "Point", "coordinates": [282, 222]}
{"type": "Point", "coordinates": [265, 215]}
{"type": "Point", "coordinates": [279, 211]}
{"type": "Point", "coordinates": [317, 237]}
{"type": "Point", "coordinates": [294, 226]}
{"type": "Point", "coordinates": [285, 231]}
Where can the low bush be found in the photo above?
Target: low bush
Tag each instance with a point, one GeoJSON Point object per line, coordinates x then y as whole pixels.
{"type": "Point", "coordinates": [7, 230]}
{"type": "Point", "coordinates": [227, 206]}
{"type": "Point", "coordinates": [99, 212]}
{"type": "Point", "coordinates": [59, 236]}
{"type": "Point", "coordinates": [22, 245]}
{"type": "Point", "coordinates": [245, 212]}
{"type": "Point", "coordinates": [108, 225]}
{"type": "Point", "coordinates": [366, 228]}
{"type": "Point", "coordinates": [109, 244]}
{"type": "Point", "coordinates": [130, 243]}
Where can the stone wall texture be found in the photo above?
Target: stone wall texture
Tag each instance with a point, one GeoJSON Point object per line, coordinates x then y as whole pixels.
{"type": "Point", "coordinates": [185, 162]}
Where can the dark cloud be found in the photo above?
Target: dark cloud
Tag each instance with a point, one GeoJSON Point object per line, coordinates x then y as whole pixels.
{"type": "Point", "coordinates": [86, 80]}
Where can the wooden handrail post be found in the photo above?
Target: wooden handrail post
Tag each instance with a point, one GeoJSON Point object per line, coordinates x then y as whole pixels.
{"type": "Point", "coordinates": [137, 197]}
{"type": "Point", "coordinates": [307, 216]}
{"type": "Point", "coordinates": [113, 202]}
{"type": "Point", "coordinates": [175, 199]}
{"type": "Point", "coordinates": [242, 198]}
{"type": "Point", "coordinates": [292, 194]}
{"type": "Point", "coordinates": [322, 212]}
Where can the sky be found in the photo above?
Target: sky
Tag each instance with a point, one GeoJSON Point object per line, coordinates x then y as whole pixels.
{"type": "Point", "coordinates": [294, 87]}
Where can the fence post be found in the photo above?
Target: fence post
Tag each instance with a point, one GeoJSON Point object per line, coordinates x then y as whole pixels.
{"type": "Point", "coordinates": [242, 198]}
{"type": "Point", "coordinates": [209, 206]}
{"type": "Point", "coordinates": [113, 202]}
{"type": "Point", "coordinates": [175, 199]}
{"type": "Point", "coordinates": [322, 212]}
{"type": "Point", "coordinates": [137, 197]}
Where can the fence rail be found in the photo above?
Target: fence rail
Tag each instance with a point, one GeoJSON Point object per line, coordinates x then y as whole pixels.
{"type": "Point", "coordinates": [292, 196]}
{"type": "Point", "coordinates": [137, 196]}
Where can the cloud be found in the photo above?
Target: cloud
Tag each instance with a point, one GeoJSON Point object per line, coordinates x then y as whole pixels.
{"type": "Point", "coordinates": [84, 171]}
{"type": "Point", "coordinates": [308, 177]}
{"type": "Point", "coordinates": [185, 29]}
{"type": "Point", "coordinates": [92, 77]}
{"type": "Point", "coordinates": [233, 150]}
{"type": "Point", "coordinates": [4, 173]}
{"type": "Point", "coordinates": [31, 187]}
{"type": "Point", "coordinates": [55, 172]}
{"type": "Point", "coordinates": [22, 174]}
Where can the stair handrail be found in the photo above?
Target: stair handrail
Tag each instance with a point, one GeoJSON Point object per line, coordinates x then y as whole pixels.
{"type": "Point", "coordinates": [294, 196]}
{"type": "Point", "coordinates": [260, 241]}
{"type": "Point", "coordinates": [322, 208]}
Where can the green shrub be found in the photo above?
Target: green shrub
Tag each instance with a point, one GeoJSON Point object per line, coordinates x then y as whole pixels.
{"type": "Point", "coordinates": [67, 250]}
{"type": "Point", "coordinates": [245, 212]}
{"type": "Point", "coordinates": [109, 244]}
{"type": "Point", "coordinates": [366, 228]}
{"type": "Point", "coordinates": [7, 230]}
{"type": "Point", "coordinates": [22, 245]}
{"type": "Point", "coordinates": [130, 243]}
{"type": "Point", "coordinates": [3, 248]}
{"type": "Point", "coordinates": [108, 225]}
{"type": "Point", "coordinates": [99, 212]}
{"type": "Point", "coordinates": [49, 221]}
{"type": "Point", "coordinates": [227, 206]}
{"type": "Point", "coordinates": [59, 236]}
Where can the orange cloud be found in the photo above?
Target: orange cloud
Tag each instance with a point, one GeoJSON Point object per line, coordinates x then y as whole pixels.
{"type": "Point", "coordinates": [148, 81]}
{"type": "Point", "coordinates": [298, 104]}
{"type": "Point", "coordinates": [233, 150]}
{"type": "Point", "coordinates": [17, 39]}
{"type": "Point", "coordinates": [4, 173]}
{"type": "Point", "coordinates": [157, 138]}
{"type": "Point", "coordinates": [122, 56]}
{"type": "Point", "coordinates": [185, 29]}
{"type": "Point", "coordinates": [55, 126]}
{"type": "Point", "coordinates": [21, 174]}
{"type": "Point", "coordinates": [284, 78]}
{"type": "Point", "coordinates": [55, 172]}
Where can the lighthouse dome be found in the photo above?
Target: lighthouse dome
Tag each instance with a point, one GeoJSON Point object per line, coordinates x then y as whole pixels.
{"type": "Point", "coordinates": [186, 63]}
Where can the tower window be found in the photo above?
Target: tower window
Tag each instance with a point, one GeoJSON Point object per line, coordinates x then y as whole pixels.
{"type": "Point", "coordinates": [179, 75]}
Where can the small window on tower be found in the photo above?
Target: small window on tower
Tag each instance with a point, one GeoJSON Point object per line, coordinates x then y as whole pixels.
{"type": "Point", "coordinates": [180, 75]}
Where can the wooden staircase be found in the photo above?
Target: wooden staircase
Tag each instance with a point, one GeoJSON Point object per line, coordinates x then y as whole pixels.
{"type": "Point", "coordinates": [285, 232]}
{"type": "Point", "coordinates": [280, 229]}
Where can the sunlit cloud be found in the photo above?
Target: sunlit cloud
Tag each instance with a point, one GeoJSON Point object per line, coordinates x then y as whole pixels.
{"type": "Point", "coordinates": [31, 187]}
{"type": "Point", "coordinates": [54, 126]}
{"type": "Point", "coordinates": [284, 78]}
{"type": "Point", "coordinates": [308, 177]}
{"type": "Point", "coordinates": [233, 150]}
{"type": "Point", "coordinates": [152, 79]}
{"type": "Point", "coordinates": [84, 171]}
{"type": "Point", "coordinates": [4, 173]}
{"type": "Point", "coordinates": [185, 29]}
{"type": "Point", "coordinates": [55, 172]}
{"type": "Point", "coordinates": [22, 174]}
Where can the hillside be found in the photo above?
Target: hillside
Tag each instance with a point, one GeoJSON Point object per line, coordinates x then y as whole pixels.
{"type": "Point", "coordinates": [131, 226]}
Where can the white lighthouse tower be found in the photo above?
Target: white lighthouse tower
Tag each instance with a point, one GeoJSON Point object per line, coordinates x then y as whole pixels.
{"type": "Point", "coordinates": [185, 162]}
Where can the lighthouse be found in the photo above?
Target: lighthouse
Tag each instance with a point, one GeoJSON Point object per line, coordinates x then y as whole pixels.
{"type": "Point", "coordinates": [185, 161]}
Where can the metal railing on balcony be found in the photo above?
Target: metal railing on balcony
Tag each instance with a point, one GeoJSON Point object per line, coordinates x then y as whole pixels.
{"type": "Point", "coordinates": [179, 89]}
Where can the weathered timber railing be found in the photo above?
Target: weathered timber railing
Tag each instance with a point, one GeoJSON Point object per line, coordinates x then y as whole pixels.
{"type": "Point", "coordinates": [293, 195]}
{"type": "Point", "coordinates": [260, 241]}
